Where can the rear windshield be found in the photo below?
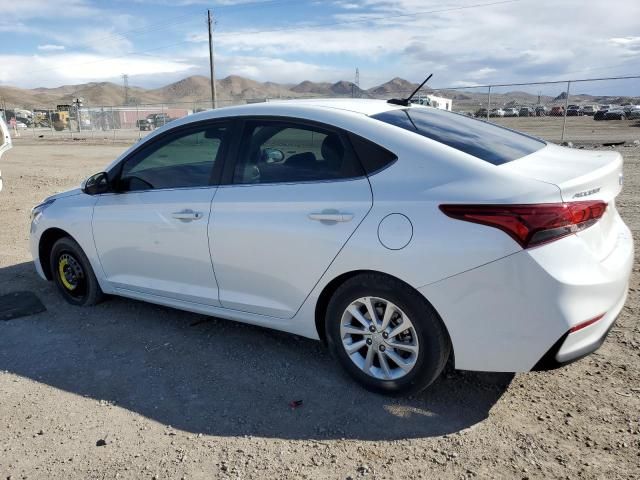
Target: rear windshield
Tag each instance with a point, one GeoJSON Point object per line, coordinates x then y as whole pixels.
{"type": "Point", "coordinates": [483, 140]}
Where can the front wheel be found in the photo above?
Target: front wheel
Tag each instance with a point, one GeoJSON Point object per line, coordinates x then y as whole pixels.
{"type": "Point", "coordinates": [386, 335]}
{"type": "Point", "coordinates": [73, 275]}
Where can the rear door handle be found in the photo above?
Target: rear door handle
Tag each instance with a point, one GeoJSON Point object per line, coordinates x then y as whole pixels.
{"type": "Point", "coordinates": [187, 215]}
{"type": "Point", "coordinates": [331, 216]}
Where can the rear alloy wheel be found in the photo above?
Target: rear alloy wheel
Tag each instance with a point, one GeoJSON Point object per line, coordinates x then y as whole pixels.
{"type": "Point", "coordinates": [379, 338]}
{"type": "Point", "coordinates": [73, 275]}
{"type": "Point", "coordinates": [386, 335]}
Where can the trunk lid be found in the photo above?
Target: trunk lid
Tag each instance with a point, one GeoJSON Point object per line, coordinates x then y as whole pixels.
{"type": "Point", "coordinates": [581, 175]}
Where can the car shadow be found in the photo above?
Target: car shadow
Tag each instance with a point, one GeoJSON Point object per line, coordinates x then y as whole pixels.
{"type": "Point", "coordinates": [211, 376]}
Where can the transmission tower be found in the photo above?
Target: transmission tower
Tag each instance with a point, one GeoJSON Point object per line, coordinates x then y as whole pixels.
{"type": "Point", "coordinates": [125, 84]}
{"type": "Point", "coordinates": [356, 84]}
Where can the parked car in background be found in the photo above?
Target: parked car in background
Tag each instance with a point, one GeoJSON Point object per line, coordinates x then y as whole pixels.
{"type": "Point", "coordinates": [541, 111]}
{"type": "Point", "coordinates": [510, 112]}
{"type": "Point", "coordinates": [161, 119]}
{"type": "Point", "coordinates": [634, 113]}
{"type": "Point", "coordinates": [557, 111]}
{"type": "Point", "coordinates": [574, 111]}
{"type": "Point", "coordinates": [24, 120]}
{"type": "Point", "coordinates": [145, 124]}
{"type": "Point", "coordinates": [496, 112]}
{"type": "Point", "coordinates": [605, 107]}
{"type": "Point", "coordinates": [481, 113]}
{"type": "Point", "coordinates": [5, 141]}
{"type": "Point", "coordinates": [600, 114]}
{"type": "Point", "coordinates": [401, 244]}
{"type": "Point", "coordinates": [589, 110]}
{"type": "Point", "coordinates": [526, 112]}
{"type": "Point", "coordinates": [615, 114]}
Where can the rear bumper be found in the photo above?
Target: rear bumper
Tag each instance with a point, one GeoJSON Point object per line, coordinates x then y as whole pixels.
{"type": "Point", "coordinates": [515, 314]}
{"type": "Point", "coordinates": [574, 346]}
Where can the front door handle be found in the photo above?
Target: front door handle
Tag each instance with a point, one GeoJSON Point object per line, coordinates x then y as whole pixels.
{"type": "Point", "coordinates": [331, 216]}
{"type": "Point", "coordinates": [187, 215]}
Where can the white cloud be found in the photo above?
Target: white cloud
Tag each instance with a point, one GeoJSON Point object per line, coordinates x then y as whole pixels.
{"type": "Point", "coordinates": [29, 71]}
{"type": "Point", "coordinates": [49, 47]}
{"type": "Point", "coordinates": [26, 9]}
{"type": "Point", "coordinates": [276, 69]}
{"type": "Point", "coordinates": [524, 40]}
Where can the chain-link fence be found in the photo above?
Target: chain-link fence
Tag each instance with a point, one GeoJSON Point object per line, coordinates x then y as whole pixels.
{"type": "Point", "coordinates": [586, 110]}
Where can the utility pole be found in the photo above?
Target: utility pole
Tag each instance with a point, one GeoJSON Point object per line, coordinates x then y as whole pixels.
{"type": "Point", "coordinates": [214, 97]}
{"type": "Point", "coordinates": [125, 84]}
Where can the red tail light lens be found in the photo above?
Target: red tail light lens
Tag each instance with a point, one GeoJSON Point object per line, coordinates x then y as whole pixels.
{"type": "Point", "coordinates": [531, 225]}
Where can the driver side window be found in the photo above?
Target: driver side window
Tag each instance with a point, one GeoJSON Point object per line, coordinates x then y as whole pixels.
{"type": "Point", "coordinates": [185, 159]}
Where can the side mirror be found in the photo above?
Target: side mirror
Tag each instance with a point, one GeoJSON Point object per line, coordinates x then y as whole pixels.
{"type": "Point", "coordinates": [273, 155]}
{"type": "Point", "coordinates": [96, 184]}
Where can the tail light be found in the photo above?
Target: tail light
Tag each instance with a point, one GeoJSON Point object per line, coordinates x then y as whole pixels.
{"type": "Point", "coordinates": [534, 224]}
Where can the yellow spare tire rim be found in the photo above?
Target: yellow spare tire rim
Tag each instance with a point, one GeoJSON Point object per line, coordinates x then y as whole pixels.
{"type": "Point", "coordinates": [70, 272]}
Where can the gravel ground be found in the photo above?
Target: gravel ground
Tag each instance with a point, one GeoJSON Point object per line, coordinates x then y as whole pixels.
{"type": "Point", "coordinates": [133, 390]}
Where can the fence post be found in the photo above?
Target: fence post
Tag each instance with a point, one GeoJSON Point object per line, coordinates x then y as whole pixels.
{"type": "Point", "coordinates": [566, 104]}
{"type": "Point", "coordinates": [137, 120]}
{"type": "Point", "coordinates": [489, 104]}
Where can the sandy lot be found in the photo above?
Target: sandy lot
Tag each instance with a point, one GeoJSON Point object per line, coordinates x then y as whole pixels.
{"type": "Point", "coordinates": [178, 395]}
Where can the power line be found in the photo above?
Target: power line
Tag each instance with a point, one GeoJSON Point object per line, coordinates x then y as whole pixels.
{"type": "Point", "coordinates": [189, 17]}
{"type": "Point", "coordinates": [306, 27]}
{"type": "Point", "coordinates": [369, 19]}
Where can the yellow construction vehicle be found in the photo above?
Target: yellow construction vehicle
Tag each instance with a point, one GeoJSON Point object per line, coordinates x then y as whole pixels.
{"type": "Point", "coordinates": [60, 118]}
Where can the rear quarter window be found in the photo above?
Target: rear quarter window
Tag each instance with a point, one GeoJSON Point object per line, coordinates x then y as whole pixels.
{"type": "Point", "coordinates": [372, 156]}
{"type": "Point", "coordinates": [488, 142]}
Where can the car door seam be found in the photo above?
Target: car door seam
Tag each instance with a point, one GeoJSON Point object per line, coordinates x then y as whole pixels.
{"type": "Point", "coordinates": [338, 252]}
{"type": "Point", "coordinates": [209, 241]}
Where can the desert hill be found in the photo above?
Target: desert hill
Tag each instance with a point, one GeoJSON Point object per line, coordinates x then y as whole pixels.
{"type": "Point", "coordinates": [236, 89]}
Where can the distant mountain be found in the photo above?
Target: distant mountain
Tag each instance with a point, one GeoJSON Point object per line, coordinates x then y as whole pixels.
{"type": "Point", "coordinates": [321, 88]}
{"type": "Point", "coordinates": [394, 86]}
{"type": "Point", "coordinates": [186, 90]}
{"type": "Point", "coordinates": [237, 89]}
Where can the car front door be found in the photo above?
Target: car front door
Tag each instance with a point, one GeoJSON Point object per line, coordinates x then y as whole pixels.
{"type": "Point", "coordinates": [151, 233]}
{"type": "Point", "coordinates": [295, 195]}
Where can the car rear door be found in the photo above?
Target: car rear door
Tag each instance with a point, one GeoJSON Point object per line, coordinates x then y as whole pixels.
{"type": "Point", "coordinates": [295, 195]}
{"type": "Point", "coordinates": [151, 235]}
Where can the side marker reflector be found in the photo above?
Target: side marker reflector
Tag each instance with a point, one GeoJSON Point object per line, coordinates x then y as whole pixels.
{"type": "Point", "coordinates": [582, 325]}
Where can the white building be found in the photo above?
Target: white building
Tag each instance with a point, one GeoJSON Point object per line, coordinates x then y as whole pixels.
{"type": "Point", "coordinates": [436, 102]}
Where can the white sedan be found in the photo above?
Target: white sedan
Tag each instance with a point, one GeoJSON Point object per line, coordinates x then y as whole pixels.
{"type": "Point", "coordinates": [403, 236]}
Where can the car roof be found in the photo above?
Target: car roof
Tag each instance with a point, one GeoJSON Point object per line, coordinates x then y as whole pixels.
{"type": "Point", "coordinates": [356, 105]}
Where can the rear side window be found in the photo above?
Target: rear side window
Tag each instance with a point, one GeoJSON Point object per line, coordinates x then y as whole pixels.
{"type": "Point", "coordinates": [286, 152]}
{"type": "Point", "coordinates": [483, 140]}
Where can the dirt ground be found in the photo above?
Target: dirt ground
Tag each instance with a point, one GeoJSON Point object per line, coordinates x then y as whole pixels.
{"type": "Point", "coordinates": [179, 395]}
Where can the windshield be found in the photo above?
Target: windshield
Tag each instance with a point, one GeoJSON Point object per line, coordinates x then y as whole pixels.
{"type": "Point", "coordinates": [488, 142]}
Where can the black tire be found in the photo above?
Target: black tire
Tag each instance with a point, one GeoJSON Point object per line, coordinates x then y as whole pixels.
{"type": "Point", "coordinates": [432, 336]}
{"type": "Point", "coordinates": [73, 275]}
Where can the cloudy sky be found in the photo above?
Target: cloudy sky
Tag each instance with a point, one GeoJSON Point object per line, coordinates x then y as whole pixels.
{"type": "Point", "coordinates": [463, 42]}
